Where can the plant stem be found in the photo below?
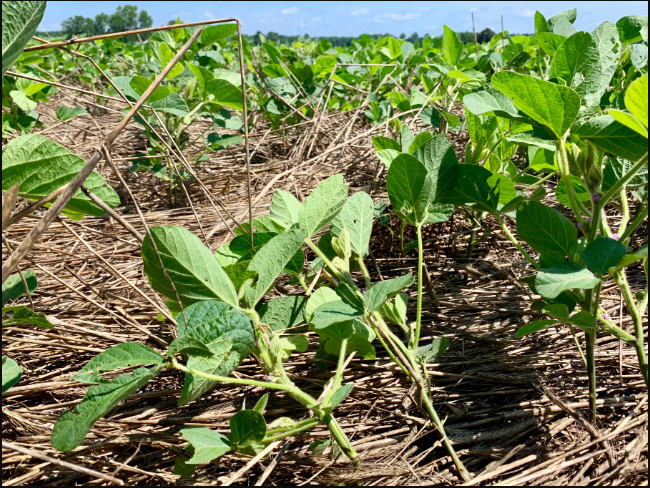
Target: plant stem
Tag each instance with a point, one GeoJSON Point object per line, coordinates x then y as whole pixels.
{"type": "Point", "coordinates": [338, 377]}
{"type": "Point", "coordinates": [295, 429]}
{"type": "Point", "coordinates": [364, 270]}
{"type": "Point", "coordinates": [325, 259]}
{"type": "Point", "coordinates": [638, 220]}
{"type": "Point", "coordinates": [516, 243]}
{"type": "Point", "coordinates": [591, 371]}
{"type": "Point", "coordinates": [575, 339]}
{"type": "Point", "coordinates": [415, 338]}
{"type": "Point", "coordinates": [625, 219]}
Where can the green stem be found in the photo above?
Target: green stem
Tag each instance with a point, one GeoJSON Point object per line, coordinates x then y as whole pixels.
{"type": "Point", "coordinates": [415, 339]}
{"type": "Point", "coordinates": [638, 220]}
{"type": "Point", "coordinates": [338, 377]}
{"type": "Point", "coordinates": [575, 339]}
{"type": "Point", "coordinates": [364, 270]}
{"type": "Point", "coordinates": [543, 180]}
{"type": "Point", "coordinates": [293, 430]}
{"type": "Point", "coordinates": [516, 243]}
{"type": "Point", "coordinates": [591, 372]}
{"type": "Point", "coordinates": [325, 259]}
{"type": "Point", "coordinates": [625, 219]}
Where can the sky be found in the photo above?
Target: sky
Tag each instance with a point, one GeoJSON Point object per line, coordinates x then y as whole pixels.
{"type": "Point", "coordinates": [357, 17]}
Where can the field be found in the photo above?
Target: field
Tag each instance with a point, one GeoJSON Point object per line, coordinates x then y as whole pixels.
{"type": "Point", "coordinates": [228, 260]}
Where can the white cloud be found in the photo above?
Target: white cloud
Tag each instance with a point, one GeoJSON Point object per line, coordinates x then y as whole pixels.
{"type": "Point", "coordinates": [208, 15]}
{"type": "Point", "coordinates": [316, 19]}
{"type": "Point", "coordinates": [290, 11]}
{"type": "Point", "coordinates": [527, 13]}
{"type": "Point", "coordinates": [360, 11]}
{"type": "Point", "coordinates": [394, 16]}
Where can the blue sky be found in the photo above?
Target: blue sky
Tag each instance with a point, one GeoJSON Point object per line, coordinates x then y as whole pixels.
{"type": "Point", "coordinates": [356, 18]}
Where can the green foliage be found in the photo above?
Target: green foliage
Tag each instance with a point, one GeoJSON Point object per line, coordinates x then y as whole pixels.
{"type": "Point", "coordinates": [546, 230]}
{"type": "Point", "coordinates": [11, 373]}
{"type": "Point", "coordinates": [283, 312]}
{"type": "Point", "coordinates": [323, 204]}
{"type": "Point", "coordinates": [553, 281]}
{"type": "Point", "coordinates": [19, 23]}
{"type": "Point", "coordinates": [207, 444]}
{"type": "Point", "coordinates": [410, 188]}
{"type": "Point", "coordinates": [13, 287]}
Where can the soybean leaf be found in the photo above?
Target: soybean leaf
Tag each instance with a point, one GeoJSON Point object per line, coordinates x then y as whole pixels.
{"type": "Point", "coordinates": [323, 204]}
{"type": "Point", "coordinates": [395, 311]}
{"type": "Point", "coordinates": [387, 156]}
{"type": "Point", "coordinates": [602, 254]}
{"type": "Point", "coordinates": [190, 346]}
{"type": "Point", "coordinates": [166, 55]}
{"type": "Point", "coordinates": [339, 395]}
{"type": "Point", "coordinates": [247, 426]}
{"type": "Point", "coordinates": [550, 42]}
{"type": "Point", "coordinates": [581, 192]}
{"type": "Point", "coordinates": [172, 104]}
{"type": "Point", "coordinates": [541, 24]}
{"type": "Point", "coordinates": [546, 230]}
{"type": "Point", "coordinates": [11, 373]}
{"type": "Point", "coordinates": [260, 406]}
{"type": "Point", "coordinates": [559, 311]}
{"type": "Point", "coordinates": [207, 444]}
{"type": "Point", "coordinates": [439, 158]}
{"type": "Point", "coordinates": [349, 296]}
{"type": "Point", "coordinates": [356, 217]}
{"type": "Point", "coordinates": [419, 141]}
{"type": "Point", "coordinates": [285, 207]}
{"type": "Point", "coordinates": [66, 113]}
{"type": "Point", "coordinates": [577, 61]}
{"type": "Point", "coordinates": [431, 352]}
{"type": "Point", "coordinates": [381, 142]}
{"type": "Point", "coordinates": [383, 290]}
{"type": "Point", "coordinates": [215, 33]}
{"type": "Point", "coordinates": [13, 286]}
{"type": "Point", "coordinates": [406, 137]}
{"type": "Point", "coordinates": [224, 93]}
{"type": "Point", "coordinates": [636, 99]}
{"type": "Point", "coordinates": [273, 257]}
{"type": "Point", "coordinates": [282, 347]}
{"type": "Point", "coordinates": [439, 212]}
{"type": "Point", "coordinates": [493, 102]}
{"type": "Point", "coordinates": [542, 159]}
{"type": "Point", "coordinates": [23, 315]}
{"type": "Point", "coordinates": [551, 105]}
{"type": "Point", "coordinates": [319, 297]}
{"type": "Point", "coordinates": [239, 273]}
{"type": "Point", "coordinates": [19, 23]}
{"type": "Point", "coordinates": [631, 258]}
{"type": "Point", "coordinates": [452, 47]}
{"type": "Point", "coordinates": [629, 120]}
{"type": "Point", "coordinates": [536, 326]}
{"type": "Point", "coordinates": [193, 269]}
{"type": "Point", "coordinates": [332, 313]}
{"type": "Point", "coordinates": [633, 28]}
{"type": "Point", "coordinates": [226, 332]}
{"type": "Point", "coordinates": [41, 166]}
{"type": "Point", "coordinates": [639, 56]}
{"type": "Point", "coordinates": [570, 15]}
{"type": "Point", "coordinates": [616, 168]}
{"type": "Point", "coordinates": [564, 28]}
{"type": "Point", "coordinates": [584, 320]}
{"type": "Point", "coordinates": [480, 187]}
{"type": "Point", "coordinates": [72, 426]}
{"type": "Point", "coordinates": [553, 281]}
{"type": "Point", "coordinates": [283, 312]}
{"type": "Point", "coordinates": [611, 136]}
{"type": "Point", "coordinates": [410, 188]}
{"type": "Point", "coordinates": [140, 85]}
{"type": "Point", "coordinates": [608, 42]}
{"type": "Point", "coordinates": [120, 356]}
{"type": "Point", "coordinates": [318, 446]}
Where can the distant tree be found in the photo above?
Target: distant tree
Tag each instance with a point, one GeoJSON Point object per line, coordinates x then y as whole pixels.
{"type": "Point", "coordinates": [426, 35]}
{"type": "Point", "coordinates": [402, 36]}
{"type": "Point", "coordinates": [414, 37]}
{"type": "Point", "coordinates": [125, 18]}
{"type": "Point", "coordinates": [273, 36]}
{"type": "Point", "coordinates": [101, 24]}
{"type": "Point", "coordinates": [485, 35]}
{"type": "Point", "coordinates": [144, 19]}
{"type": "Point", "coordinates": [76, 25]}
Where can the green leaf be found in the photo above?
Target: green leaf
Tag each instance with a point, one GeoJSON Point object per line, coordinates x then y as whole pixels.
{"type": "Point", "coordinates": [541, 159]}
{"type": "Point", "coordinates": [11, 373]}
{"type": "Point", "coordinates": [492, 102]}
{"type": "Point", "coordinates": [541, 24]}
{"type": "Point", "coordinates": [581, 192]}
{"type": "Point", "coordinates": [570, 15]}
{"type": "Point", "coordinates": [602, 254]}
{"type": "Point", "coordinates": [172, 104]}
{"type": "Point", "coordinates": [383, 290]}
{"type": "Point", "coordinates": [323, 204]}
{"type": "Point", "coordinates": [631, 258]}
{"type": "Point", "coordinates": [577, 62]}
{"type": "Point", "coordinates": [553, 281]}
{"type": "Point", "coordinates": [140, 85]}
{"type": "Point", "coordinates": [406, 137]}
{"type": "Point", "coordinates": [536, 326]}
{"type": "Point", "coordinates": [120, 356]}
{"type": "Point", "coordinates": [283, 312]}
{"type": "Point", "coordinates": [356, 217]}
{"type": "Point", "coordinates": [477, 185]}
{"type": "Point", "coordinates": [19, 23]}
{"type": "Point", "coordinates": [72, 426]}
{"type": "Point", "coordinates": [23, 315]}
{"type": "Point", "coordinates": [333, 313]}
{"type": "Point", "coordinates": [273, 257]}
{"type": "Point", "coordinates": [611, 136]}
{"type": "Point", "coordinates": [123, 83]}
{"type": "Point", "coordinates": [41, 166]}
{"type": "Point", "coordinates": [215, 33]}
{"type": "Point", "coordinates": [431, 352]}
{"type": "Point", "coordinates": [564, 28]}
{"type": "Point", "coordinates": [616, 168]}
{"type": "Point", "coordinates": [551, 105]}
{"type": "Point", "coordinates": [239, 273]}
{"type": "Point", "coordinates": [166, 55]}
{"type": "Point", "coordinates": [66, 113]}
{"type": "Point", "coordinates": [633, 28]}
{"type": "Point", "coordinates": [203, 76]}
{"type": "Point", "coordinates": [439, 212]}
{"type": "Point", "coordinates": [419, 141]}
{"type": "Point", "coordinates": [546, 230]}
{"type": "Point", "coordinates": [319, 297]}
{"type": "Point", "coordinates": [395, 311]}
{"type": "Point", "coordinates": [387, 156]}
{"type": "Point", "coordinates": [247, 426]}
{"type": "Point", "coordinates": [225, 93]}
{"type": "Point", "coordinates": [381, 142]}
{"type": "Point", "coordinates": [629, 120]}
{"type": "Point", "coordinates": [318, 447]}
{"type": "Point", "coordinates": [285, 207]}
{"type": "Point", "coordinates": [190, 346]}
{"type": "Point", "coordinates": [349, 296]}
{"type": "Point", "coordinates": [260, 406]}
{"type": "Point", "coordinates": [193, 269]}
{"type": "Point", "coordinates": [550, 42]}
{"type": "Point", "coordinates": [207, 444]}
{"type": "Point", "coordinates": [13, 286]}
{"type": "Point", "coordinates": [441, 163]}
{"type": "Point", "coordinates": [339, 395]}
{"type": "Point", "coordinates": [410, 188]}
{"type": "Point", "coordinates": [584, 320]}
{"type": "Point", "coordinates": [609, 47]}
{"type": "Point", "coordinates": [282, 347]}
{"type": "Point", "coordinates": [636, 99]}
{"type": "Point", "coordinates": [226, 332]}
{"type": "Point", "coordinates": [452, 47]}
